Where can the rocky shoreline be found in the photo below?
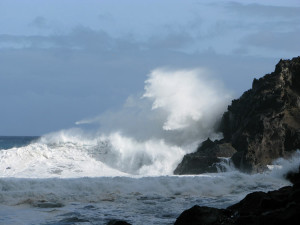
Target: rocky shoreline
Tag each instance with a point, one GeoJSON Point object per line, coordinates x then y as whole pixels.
{"type": "Point", "coordinates": [280, 207]}
{"type": "Point", "coordinates": [259, 127]}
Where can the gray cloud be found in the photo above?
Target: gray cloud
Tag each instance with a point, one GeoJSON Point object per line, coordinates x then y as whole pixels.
{"type": "Point", "coordinates": [106, 17]}
{"type": "Point", "coordinates": [40, 22]}
{"type": "Point", "coordinates": [47, 82]}
{"type": "Point", "coordinates": [277, 41]}
{"type": "Point", "coordinates": [266, 11]}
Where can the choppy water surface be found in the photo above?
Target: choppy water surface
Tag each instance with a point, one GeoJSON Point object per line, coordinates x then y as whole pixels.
{"type": "Point", "coordinates": [91, 181]}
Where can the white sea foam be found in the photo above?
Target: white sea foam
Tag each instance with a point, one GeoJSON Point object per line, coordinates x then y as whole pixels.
{"type": "Point", "coordinates": [66, 156]}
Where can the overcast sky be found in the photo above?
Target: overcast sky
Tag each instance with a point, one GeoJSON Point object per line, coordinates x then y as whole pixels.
{"type": "Point", "coordinates": [65, 60]}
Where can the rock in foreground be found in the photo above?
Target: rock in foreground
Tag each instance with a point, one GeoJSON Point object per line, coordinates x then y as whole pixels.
{"type": "Point", "coordinates": [280, 207]}
{"type": "Point", "coordinates": [118, 222]}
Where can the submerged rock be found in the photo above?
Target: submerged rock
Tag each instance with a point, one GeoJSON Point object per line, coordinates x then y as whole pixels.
{"type": "Point", "coordinates": [46, 204]}
{"type": "Point", "coordinates": [118, 222]}
{"type": "Point", "coordinates": [205, 159]}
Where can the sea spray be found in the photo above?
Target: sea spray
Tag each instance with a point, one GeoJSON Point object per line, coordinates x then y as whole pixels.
{"type": "Point", "coordinates": [181, 107]}
{"type": "Point", "coordinates": [188, 97]}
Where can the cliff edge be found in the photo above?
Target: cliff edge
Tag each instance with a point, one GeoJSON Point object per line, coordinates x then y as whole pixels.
{"type": "Point", "coordinates": [262, 125]}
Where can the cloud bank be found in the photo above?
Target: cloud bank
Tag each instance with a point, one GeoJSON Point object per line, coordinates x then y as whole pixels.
{"type": "Point", "coordinates": [75, 60]}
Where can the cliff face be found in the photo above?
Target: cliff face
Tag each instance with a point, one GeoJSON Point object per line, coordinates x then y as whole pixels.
{"type": "Point", "coordinates": [264, 123]}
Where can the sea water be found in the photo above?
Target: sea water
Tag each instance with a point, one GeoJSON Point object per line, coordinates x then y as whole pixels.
{"type": "Point", "coordinates": [64, 179]}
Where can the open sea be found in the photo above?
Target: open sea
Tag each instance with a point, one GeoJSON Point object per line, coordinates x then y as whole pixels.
{"type": "Point", "coordinates": [63, 178]}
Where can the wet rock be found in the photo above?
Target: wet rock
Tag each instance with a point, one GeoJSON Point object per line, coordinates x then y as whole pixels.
{"type": "Point", "coordinates": [278, 207]}
{"type": "Point", "coordinates": [118, 222]}
{"type": "Point", "coordinates": [294, 177]}
{"type": "Point", "coordinates": [205, 159]}
{"type": "Point", "coordinates": [203, 215]}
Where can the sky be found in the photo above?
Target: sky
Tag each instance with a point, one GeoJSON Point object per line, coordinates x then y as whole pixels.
{"type": "Point", "coordinates": [62, 61]}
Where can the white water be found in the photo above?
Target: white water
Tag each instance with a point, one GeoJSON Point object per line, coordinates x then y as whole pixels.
{"type": "Point", "coordinates": [95, 181]}
{"type": "Point", "coordinates": [136, 199]}
{"type": "Point", "coordinates": [124, 171]}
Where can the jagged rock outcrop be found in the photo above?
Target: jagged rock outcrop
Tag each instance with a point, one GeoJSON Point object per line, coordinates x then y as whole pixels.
{"type": "Point", "coordinates": [278, 207]}
{"type": "Point", "coordinates": [205, 159]}
{"type": "Point", "coordinates": [264, 123]}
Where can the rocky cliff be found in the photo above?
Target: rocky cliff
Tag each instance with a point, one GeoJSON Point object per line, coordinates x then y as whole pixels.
{"type": "Point", "coordinates": [262, 125]}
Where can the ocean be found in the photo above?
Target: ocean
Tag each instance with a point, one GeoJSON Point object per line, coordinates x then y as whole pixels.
{"type": "Point", "coordinates": [65, 178]}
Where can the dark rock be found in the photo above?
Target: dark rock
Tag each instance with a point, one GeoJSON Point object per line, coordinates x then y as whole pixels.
{"type": "Point", "coordinates": [203, 215]}
{"type": "Point", "coordinates": [278, 207]}
{"type": "Point", "coordinates": [264, 123]}
{"type": "Point", "coordinates": [205, 159]}
{"type": "Point", "coordinates": [118, 222]}
{"type": "Point", "coordinates": [294, 177]}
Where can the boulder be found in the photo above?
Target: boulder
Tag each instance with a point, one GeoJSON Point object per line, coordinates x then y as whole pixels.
{"type": "Point", "coordinates": [206, 159]}
{"type": "Point", "coordinates": [198, 215]}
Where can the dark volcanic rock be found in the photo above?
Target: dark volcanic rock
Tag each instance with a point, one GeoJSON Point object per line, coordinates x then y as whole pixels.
{"type": "Point", "coordinates": [294, 177]}
{"type": "Point", "coordinates": [205, 159]}
{"type": "Point", "coordinates": [264, 123]}
{"type": "Point", "coordinates": [118, 222]}
{"type": "Point", "coordinates": [203, 215]}
{"type": "Point", "coordinates": [278, 207]}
